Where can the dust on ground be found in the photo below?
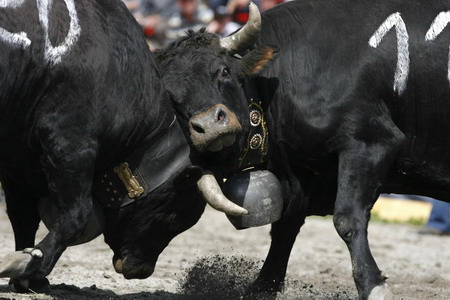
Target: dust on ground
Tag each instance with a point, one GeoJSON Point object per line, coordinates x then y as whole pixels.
{"type": "Point", "coordinates": [214, 261]}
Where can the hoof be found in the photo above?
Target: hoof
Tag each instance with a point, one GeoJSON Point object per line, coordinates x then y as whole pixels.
{"type": "Point", "coordinates": [15, 265]}
{"type": "Point", "coordinates": [33, 285]}
{"type": "Point", "coordinates": [265, 289]}
{"type": "Point", "coordinates": [381, 292]}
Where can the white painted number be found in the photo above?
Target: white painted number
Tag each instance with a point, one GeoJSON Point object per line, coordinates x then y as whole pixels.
{"type": "Point", "coordinates": [16, 39]}
{"type": "Point", "coordinates": [402, 69]}
{"type": "Point", "coordinates": [438, 25]}
{"type": "Point", "coordinates": [52, 54]}
{"type": "Point", "coordinates": [11, 3]}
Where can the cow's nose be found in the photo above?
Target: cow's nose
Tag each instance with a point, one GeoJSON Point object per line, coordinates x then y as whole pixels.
{"type": "Point", "coordinates": [140, 272]}
{"type": "Point", "coordinates": [212, 118]}
{"type": "Point", "coordinates": [221, 115]}
{"type": "Point", "coordinates": [132, 268]}
{"type": "Point", "coordinates": [207, 126]}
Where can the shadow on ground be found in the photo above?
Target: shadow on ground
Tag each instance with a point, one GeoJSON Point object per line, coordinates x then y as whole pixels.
{"type": "Point", "coordinates": [211, 277]}
{"type": "Point", "coordinates": [71, 292]}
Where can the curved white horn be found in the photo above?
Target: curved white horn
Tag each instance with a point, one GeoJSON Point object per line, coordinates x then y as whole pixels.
{"type": "Point", "coordinates": [247, 36]}
{"type": "Point", "coordinates": [210, 190]}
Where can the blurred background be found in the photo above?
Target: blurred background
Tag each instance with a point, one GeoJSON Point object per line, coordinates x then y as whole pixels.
{"type": "Point", "coordinates": [165, 20]}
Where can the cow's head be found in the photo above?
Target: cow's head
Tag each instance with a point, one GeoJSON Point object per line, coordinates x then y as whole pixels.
{"type": "Point", "coordinates": [168, 196]}
{"type": "Point", "coordinates": [204, 78]}
{"type": "Point", "coordinates": [137, 233]}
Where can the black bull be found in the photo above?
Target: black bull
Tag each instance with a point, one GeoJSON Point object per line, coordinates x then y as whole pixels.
{"type": "Point", "coordinates": [80, 94]}
{"type": "Point", "coordinates": [356, 103]}
{"type": "Point", "coordinates": [89, 142]}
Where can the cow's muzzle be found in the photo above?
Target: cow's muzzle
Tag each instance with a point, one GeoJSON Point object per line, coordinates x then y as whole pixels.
{"type": "Point", "coordinates": [132, 268]}
{"type": "Point", "coordinates": [214, 128]}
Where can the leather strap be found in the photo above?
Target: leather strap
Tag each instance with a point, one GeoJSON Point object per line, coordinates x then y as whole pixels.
{"type": "Point", "coordinates": [145, 170]}
{"type": "Point", "coordinates": [257, 143]}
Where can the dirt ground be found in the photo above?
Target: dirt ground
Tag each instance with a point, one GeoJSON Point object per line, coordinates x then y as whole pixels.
{"type": "Point", "coordinates": [319, 268]}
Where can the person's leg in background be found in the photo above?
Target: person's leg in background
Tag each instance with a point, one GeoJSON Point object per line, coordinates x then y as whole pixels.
{"type": "Point", "coordinates": [439, 220]}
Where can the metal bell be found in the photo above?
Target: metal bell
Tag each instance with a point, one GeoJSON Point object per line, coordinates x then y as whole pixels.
{"type": "Point", "coordinates": [257, 191]}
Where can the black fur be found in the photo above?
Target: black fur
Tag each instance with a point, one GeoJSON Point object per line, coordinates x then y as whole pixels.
{"type": "Point", "coordinates": [339, 133]}
{"type": "Point", "coordinates": [62, 123]}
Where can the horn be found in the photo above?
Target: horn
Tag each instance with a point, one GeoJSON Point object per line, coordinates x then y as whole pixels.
{"type": "Point", "coordinates": [210, 190]}
{"type": "Point", "coordinates": [247, 36]}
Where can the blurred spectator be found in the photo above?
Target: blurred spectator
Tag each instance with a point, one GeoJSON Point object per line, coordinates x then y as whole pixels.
{"type": "Point", "coordinates": [238, 10]}
{"type": "Point", "coordinates": [214, 4]}
{"type": "Point", "coordinates": [439, 220]}
{"type": "Point", "coordinates": [222, 23]}
{"type": "Point", "coordinates": [191, 14]}
{"type": "Point", "coordinates": [153, 16]}
{"type": "Point", "coordinates": [166, 20]}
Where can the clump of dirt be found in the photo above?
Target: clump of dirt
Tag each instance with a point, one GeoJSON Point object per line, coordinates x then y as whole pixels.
{"type": "Point", "coordinates": [321, 291]}
{"type": "Point", "coordinates": [230, 277]}
{"type": "Point", "coordinates": [219, 277]}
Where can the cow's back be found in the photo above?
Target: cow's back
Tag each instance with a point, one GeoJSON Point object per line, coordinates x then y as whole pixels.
{"type": "Point", "coordinates": [88, 58]}
{"type": "Point", "coordinates": [362, 59]}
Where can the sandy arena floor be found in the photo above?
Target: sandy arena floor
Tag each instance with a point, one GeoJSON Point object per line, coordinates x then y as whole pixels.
{"type": "Point", "coordinates": [319, 268]}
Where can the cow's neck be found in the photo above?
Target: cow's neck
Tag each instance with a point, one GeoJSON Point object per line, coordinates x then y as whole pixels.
{"type": "Point", "coordinates": [253, 147]}
{"type": "Point", "coordinates": [144, 170]}
{"type": "Point", "coordinates": [257, 138]}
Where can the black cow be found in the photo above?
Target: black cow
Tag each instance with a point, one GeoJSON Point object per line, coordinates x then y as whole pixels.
{"type": "Point", "coordinates": [356, 104]}
{"type": "Point", "coordinates": [82, 113]}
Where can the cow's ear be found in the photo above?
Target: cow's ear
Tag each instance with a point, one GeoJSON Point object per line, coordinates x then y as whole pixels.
{"type": "Point", "coordinates": [257, 59]}
{"type": "Point", "coordinates": [188, 177]}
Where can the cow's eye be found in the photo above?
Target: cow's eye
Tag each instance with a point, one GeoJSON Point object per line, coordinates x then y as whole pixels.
{"type": "Point", "coordinates": [225, 73]}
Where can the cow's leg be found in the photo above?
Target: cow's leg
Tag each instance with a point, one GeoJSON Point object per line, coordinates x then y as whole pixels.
{"type": "Point", "coordinates": [22, 212]}
{"type": "Point", "coordinates": [69, 168]}
{"type": "Point", "coordinates": [70, 175]}
{"type": "Point", "coordinates": [283, 233]}
{"type": "Point", "coordinates": [361, 171]}
{"type": "Point", "coordinates": [24, 217]}
{"type": "Point", "coordinates": [273, 272]}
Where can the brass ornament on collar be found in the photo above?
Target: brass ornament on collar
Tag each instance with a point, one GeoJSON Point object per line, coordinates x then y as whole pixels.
{"type": "Point", "coordinates": [257, 141]}
{"type": "Point", "coordinates": [147, 168]}
{"type": "Point", "coordinates": [129, 180]}
{"type": "Point", "coordinates": [255, 117]}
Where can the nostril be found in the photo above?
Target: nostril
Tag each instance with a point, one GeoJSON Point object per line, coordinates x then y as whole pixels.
{"type": "Point", "coordinates": [198, 128]}
{"type": "Point", "coordinates": [221, 115]}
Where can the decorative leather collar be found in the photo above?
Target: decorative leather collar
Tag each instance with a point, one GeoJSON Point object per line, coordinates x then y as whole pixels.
{"type": "Point", "coordinates": [144, 170]}
{"type": "Point", "coordinates": [257, 145]}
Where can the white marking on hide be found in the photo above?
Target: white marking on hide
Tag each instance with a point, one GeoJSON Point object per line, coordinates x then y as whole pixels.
{"type": "Point", "coordinates": [11, 3]}
{"type": "Point", "coordinates": [438, 25]}
{"type": "Point", "coordinates": [402, 68]}
{"type": "Point", "coordinates": [37, 253]}
{"type": "Point", "coordinates": [54, 54]}
{"type": "Point", "coordinates": [381, 292]}
{"type": "Point", "coordinates": [16, 39]}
